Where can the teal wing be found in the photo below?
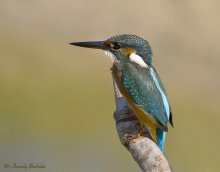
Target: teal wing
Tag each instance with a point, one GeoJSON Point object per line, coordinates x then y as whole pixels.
{"type": "Point", "coordinates": [147, 91]}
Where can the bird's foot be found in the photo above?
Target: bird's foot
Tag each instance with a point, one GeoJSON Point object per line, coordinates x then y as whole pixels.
{"type": "Point", "coordinates": [134, 137]}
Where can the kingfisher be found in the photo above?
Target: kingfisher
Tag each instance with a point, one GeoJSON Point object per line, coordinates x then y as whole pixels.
{"type": "Point", "coordinates": [138, 82]}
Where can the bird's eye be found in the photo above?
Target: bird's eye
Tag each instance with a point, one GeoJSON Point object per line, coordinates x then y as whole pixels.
{"type": "Point", "coordinates": [116, 46]}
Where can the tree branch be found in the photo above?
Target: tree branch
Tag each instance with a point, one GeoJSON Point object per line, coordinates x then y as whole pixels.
{"type": "Point", "coordinates": [144, 151]}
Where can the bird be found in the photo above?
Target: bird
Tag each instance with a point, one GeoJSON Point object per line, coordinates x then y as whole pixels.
{"type": "Point", "coordinates": [138, 81]}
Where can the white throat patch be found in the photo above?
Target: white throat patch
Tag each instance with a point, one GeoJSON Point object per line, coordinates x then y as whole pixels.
{"type": "Point", "coordinates": [111, 55]}
{"type": "Point", "coordinates": [138, 60]}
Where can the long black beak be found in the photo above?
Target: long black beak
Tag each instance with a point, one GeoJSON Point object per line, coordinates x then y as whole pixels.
{"type": "Point", "coordinates": [91, 44]}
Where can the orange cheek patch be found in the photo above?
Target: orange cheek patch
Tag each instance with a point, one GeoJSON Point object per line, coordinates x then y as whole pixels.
{"type": "Point", "coordinates": [127, 51]}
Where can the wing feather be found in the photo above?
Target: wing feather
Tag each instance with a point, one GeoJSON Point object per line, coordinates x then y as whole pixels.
{"type": "Point", "coordinates": [147, 91]}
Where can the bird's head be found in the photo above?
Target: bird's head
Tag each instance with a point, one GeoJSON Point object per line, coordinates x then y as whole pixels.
{"type": "Point", "coordinates": [125, 47]}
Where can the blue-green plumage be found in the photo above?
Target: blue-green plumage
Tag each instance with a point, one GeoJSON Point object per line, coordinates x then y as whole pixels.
{"type": "Point", "coordinates": [138, 80]}
{"type": "Point", "coordinates": [142, 88]}
{"type": "Point", "coordinates": [147, 91]}
{"type": "Point", "coordinates": [141, 46]}
{"type": "Point", "coordinates": [161, 135]}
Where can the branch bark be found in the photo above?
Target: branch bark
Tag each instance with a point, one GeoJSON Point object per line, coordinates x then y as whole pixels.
{"type": "Point", "coordinates": [144, 151]}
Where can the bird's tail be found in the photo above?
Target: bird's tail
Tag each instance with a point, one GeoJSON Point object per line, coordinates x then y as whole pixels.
{"type": "Point", "coordinates": [161, 135]}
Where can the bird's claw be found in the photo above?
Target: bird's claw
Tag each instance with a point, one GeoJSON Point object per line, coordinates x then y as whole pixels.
{"type": "Point", "coordinates": [133, 137]}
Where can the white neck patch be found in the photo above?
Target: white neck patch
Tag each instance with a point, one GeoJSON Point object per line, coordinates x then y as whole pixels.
{"type": "Point", "coordinates": [111, 55]}
{"type": "Point", "coordinates": [138, 60]}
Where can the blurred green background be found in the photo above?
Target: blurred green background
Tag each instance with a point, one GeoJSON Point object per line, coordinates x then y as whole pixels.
{"type": "Point", "coordinates": [57, 100]}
